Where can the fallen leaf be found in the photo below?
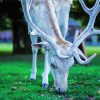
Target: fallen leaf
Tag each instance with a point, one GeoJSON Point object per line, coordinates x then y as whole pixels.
{"type": "Point", "coordinates": [42, 95]}
{"type": "Point", "coordinates": [14, 88]}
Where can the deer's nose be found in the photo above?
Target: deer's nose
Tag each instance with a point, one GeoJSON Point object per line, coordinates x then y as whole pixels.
{"type": "Point", "coordinates": [61, 91]}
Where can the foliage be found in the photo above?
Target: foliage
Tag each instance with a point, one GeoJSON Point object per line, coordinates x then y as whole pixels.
{"type": "Point", "coordinates": [84, 81]}
{"type": "Point", "coordinates": [5, 23]}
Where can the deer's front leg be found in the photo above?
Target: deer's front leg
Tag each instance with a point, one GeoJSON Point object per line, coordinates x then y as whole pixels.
{"type": "Point", "coordinates": [46, 70]}
{"type": "Point", "coordinates": [34, 58]}
{"type": "Point", "coordinates": [67, 78]}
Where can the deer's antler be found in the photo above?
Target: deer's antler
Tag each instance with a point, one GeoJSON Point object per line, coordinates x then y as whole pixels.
{"type": "Point", "coordinates": [53, 19]}
{"type": "Point", "coordinates": [89, 30]}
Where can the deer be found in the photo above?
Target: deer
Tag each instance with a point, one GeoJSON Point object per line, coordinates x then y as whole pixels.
{"type": "Point", "coordinates": [60, 52]}
{"type": "Point", "coordinates": [60, 8]}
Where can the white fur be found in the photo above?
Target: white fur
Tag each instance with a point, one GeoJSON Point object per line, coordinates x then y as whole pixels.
{"type": "Point", "coordinates": [40, 12]}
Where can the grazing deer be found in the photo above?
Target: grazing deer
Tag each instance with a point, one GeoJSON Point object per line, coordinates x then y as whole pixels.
{"type": "Point", "coordinates": [39, 11]}
{"type": "Point", "coordinates": [47, 19]}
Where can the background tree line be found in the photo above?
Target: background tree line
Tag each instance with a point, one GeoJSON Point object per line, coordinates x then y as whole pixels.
{"type": "Point", "coordinates": [11, 17]}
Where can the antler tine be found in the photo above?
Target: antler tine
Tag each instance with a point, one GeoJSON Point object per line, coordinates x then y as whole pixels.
{"type": "Point", "coordinates": [86, 9]}
{"type": "Point", "coordinates": [40, 33]}
{"type": "Point", "coordinates": [89, 30]}
{"type": "Point", "coordinates": [76, 55]}
{"type": "Point", "coordinates": [97, 1]}
{"type": "Point", "coordinates": [82, 54]}
{"type": "Point", "coordinates": [95, 31]}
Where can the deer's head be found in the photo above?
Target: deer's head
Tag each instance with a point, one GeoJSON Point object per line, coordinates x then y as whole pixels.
{"type": "Point", "coordinates": [61, 51]}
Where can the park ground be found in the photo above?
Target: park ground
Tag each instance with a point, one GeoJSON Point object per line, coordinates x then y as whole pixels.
{"type": "Point", "coordinates": [83, 81]}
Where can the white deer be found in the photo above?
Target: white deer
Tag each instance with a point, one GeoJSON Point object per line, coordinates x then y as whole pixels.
{"type": "Point", "coordinates": [38, 11]}
{"type": "Point", "coordinates": [45, 21]}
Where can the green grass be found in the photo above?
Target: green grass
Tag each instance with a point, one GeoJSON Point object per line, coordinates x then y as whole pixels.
{"type": "Point", "coordinates": [84, 81]}
{"type": "Point", "coordinates": [93, 49]}
{"type": "Point", "coordinates": [6, 47]}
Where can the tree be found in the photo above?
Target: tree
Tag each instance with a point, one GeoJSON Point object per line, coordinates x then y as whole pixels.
{"type": "Point", "coordinates": [13, 11]}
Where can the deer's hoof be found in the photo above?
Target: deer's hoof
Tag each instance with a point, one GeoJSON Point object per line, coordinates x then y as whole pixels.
{"type": "Point", "coordinates": [44, 86]}
{"type": "Point", "coordinates": [33, 77]}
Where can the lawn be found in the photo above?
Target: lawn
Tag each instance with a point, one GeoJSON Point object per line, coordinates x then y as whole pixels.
{"type": "Point", "coordinates": [93, 49]}
{"type": "Point", "coordinates": [84, 81]}
{"type": "Point", "coordinates": [6, 47]}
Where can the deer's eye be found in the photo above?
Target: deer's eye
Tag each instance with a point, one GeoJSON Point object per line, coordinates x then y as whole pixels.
{"type": "Point", "coordinates": [53, 66]}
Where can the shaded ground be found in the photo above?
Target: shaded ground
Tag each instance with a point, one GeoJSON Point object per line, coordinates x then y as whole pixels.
{"type": "Point", "coordinates": [84, 81]}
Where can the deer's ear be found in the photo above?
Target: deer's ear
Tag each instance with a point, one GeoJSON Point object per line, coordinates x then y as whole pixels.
{"type": "Point", "coordinates": [39, 45]}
